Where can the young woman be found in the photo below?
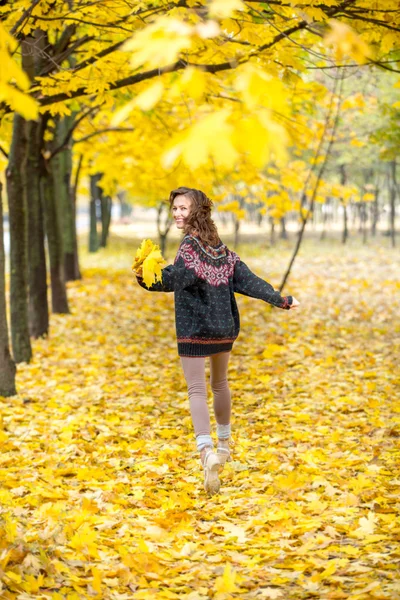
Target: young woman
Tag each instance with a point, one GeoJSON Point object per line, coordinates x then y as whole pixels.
{"type": "Point", "coordinates": [204, 277]}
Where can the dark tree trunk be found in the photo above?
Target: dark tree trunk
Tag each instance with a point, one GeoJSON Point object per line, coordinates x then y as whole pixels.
{"type": "Point", "coordinates": [7, 365]}
{"type": "Point", "coordinates": [106, 206]}
{"type": "Point", "coordinates": [93, 235]}
{"type": "Point", "coordinates": [283, 229]}
{"type": "Point", "coordinates": [21, 344]}
{"type": "Point", "coordinates": [62, 166]}
{"type": "Point", "coordinates": [37, 274]}
{"type": "Point", "coordinates": [59, 299]}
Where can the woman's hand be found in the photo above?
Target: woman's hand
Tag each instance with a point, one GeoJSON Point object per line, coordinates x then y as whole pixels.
{"type": "Point", "coordinates": [295, 303]}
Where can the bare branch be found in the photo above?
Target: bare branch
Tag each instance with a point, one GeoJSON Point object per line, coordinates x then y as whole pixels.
{"type": "Point", "coordinates": [71, 130]}
{"type": "Point", "coordinates": [88, 137]}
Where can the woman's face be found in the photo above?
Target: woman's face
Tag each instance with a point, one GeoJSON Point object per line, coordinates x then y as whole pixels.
{"type": "Point", "coordinates": [181, 210]}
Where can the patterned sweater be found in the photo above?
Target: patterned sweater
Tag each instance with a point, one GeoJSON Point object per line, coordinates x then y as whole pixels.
{"type": "Point", "coordinates": [204, 279]}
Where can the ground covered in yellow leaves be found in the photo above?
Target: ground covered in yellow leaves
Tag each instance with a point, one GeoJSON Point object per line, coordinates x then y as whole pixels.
{"type": "Point", "coordinates": [100, 487]}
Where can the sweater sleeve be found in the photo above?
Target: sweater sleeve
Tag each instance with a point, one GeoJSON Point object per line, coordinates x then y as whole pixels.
{"type": "Point", "coordinates": [247, 283]}
{"type": "Point", "coordinates": [179, 275]}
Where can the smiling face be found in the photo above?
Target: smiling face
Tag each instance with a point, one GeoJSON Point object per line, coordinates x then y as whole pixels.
{"type": "Point", "coordinates": [181, 210]}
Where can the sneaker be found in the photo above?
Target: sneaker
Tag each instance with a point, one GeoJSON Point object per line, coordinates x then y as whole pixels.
{"type": "Point", "coordinates": [211, 465]}
{"type": "Point", "coordinates": [223, 451]}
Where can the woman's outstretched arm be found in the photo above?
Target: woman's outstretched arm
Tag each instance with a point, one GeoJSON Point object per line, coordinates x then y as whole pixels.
{"type": "Point", "coordinates": [247, 283]}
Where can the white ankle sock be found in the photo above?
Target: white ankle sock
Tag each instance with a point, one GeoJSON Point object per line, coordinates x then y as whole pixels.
{"type": "Point", "coordinates": [223, 431]}
{"type": "Point", "coordinates": [203, 440]}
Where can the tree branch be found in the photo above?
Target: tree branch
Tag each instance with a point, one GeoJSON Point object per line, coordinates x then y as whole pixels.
{"type": "Point", "coordinates": [71, 130]}
{"type": "Point", "coordinates": [24, 16]}
{"type": "Point", "coordinates": [90, 135]}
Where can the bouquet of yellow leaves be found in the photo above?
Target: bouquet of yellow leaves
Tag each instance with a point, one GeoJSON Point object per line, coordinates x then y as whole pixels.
{"type": "Point", "coordinates": [148, 262]}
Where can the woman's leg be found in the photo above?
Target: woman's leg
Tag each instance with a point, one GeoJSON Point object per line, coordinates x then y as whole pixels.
{"type": "Point", "coordinates": [194, 370]}
{"type": "Point", "coordinates": [221, 392]}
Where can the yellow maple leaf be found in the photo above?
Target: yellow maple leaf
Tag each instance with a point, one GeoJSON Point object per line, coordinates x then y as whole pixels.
{"type": "Point", "coordinates": [11, 75]}
{"type": "Point", "coordinates": [150, 96]}
{"type": "Point", "coordinates": [160, 43]}
{"type": "Point", "coordinates": [225, 584]}
{"type": "Point", "coordinates": [224, 8]}
{"type": "Point", "coordinates": [148, 262]}
{"type": "Point", "coordinates": [367, 525]}
{"type": "Point", "coordinates": [347, 43]}
{"type": "Point", "coordinates": [258, 88]}
{"type": "Point", "coordinates": [210, 137]}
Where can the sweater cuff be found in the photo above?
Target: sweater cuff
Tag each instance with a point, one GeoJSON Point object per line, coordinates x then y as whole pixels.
{"type": "Point", "coordinates": [287, 302]}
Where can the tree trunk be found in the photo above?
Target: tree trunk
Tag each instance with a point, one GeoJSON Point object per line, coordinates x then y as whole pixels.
{"type": "Point", "coordinates": [375, 212]}
{"type": "Point", "coordinates": [345, 225]}
{"type": "Point", "coordinates": [393, 189]}
{"type": "Point", "coordinates": [125, 208]}
{"type": "Point", "coordinates": [163, 228]}
{"type": "Point", "coordinates": [343, 180]}
{"type": "Point", "coordinates": [37, 274]}
{"type": "Point", "coordinates": [272, 231]}
{"type": "Point", "coordinates": [283, 229]}
{"type": "Point", "coordinates": [7, 365]}
{"type": "Point", "coordinates": [62, 166]}
{"type": "Point", "coordinates": [21, 344]}
{"type": "Point", "coordinates": [106, 207]}
{"type": "Point", "coordinates": [324, 209]}
{"type": "Point", "coordinates": [93, 235]}
{"type": "Point", "coordinates": [59, 299]}
{"type": "Point", "coordinates": [236, 231]}
{"type": "Point", "coordinates": [74, 193]}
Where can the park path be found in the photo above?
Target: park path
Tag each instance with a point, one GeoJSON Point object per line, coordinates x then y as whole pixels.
{"type": "Point", "coordinates": [101, 491]}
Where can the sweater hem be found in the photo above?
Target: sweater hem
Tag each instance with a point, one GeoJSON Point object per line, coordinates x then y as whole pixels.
{"type": "Point", "coordinates": [204, 347]}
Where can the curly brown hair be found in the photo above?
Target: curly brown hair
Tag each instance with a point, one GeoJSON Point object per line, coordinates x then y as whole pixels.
{"type": "Point", "coordinates": [199, 220]}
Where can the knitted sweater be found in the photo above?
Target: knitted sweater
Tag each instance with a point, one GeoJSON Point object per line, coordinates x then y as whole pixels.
{"type": "Point", "coordinates": [204, 279]}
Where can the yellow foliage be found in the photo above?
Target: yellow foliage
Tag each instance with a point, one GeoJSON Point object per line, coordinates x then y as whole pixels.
{"type": "Point", "coordinates": [347, 43]}
{"type": "Point", "coordinates": [368, 197]}
{"type": "Point", "coordinates": [258, 88]}
{"type": "Point", "coordinates": [149, 97]}
{"type": "Point", "coordinates": [211, 138]}
{"type": "Point", "coordinates": [160, 43]}
{"type": "Point", "coordinates": [13, 77]}
{"type": "Point", "coordinates": [225, 584]}
{"type": "Point", "coordinates": [223, 9]}
{"type": "Point", "coordinates": [148, 262]}
{"type": "Point", "coordinates": [192, 83]}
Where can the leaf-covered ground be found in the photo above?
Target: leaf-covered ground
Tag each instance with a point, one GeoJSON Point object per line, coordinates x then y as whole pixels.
{"type": "Point", "coordinates": [100, 485]}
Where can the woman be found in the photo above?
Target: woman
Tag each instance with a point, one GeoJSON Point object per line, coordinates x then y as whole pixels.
{"type": "Point", "coordinates": [204, 277]}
